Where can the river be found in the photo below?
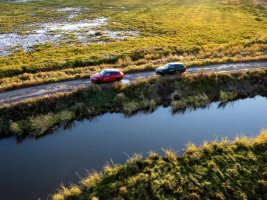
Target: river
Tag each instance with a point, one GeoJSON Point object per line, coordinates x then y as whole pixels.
{"type": "Point", "coordinates": [35, 168]}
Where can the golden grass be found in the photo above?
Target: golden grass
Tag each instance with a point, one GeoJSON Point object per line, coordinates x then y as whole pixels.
{"type": "Point", "coordinates": [195, 32]}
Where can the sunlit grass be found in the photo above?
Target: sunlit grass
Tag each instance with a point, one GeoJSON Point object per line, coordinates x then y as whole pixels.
{"type": "Point", "coordinates": [195, 32]}
{"type": "Point", "coordinates": [43, 123]}
{"type": "Point", "coordinates": [216, 170]}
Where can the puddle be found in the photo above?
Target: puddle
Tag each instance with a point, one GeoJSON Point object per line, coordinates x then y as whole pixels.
{"type": "Point", "coordinates": [85, 32]}
{"type": "Point", "coordinates": [69, 9]}
{"type": "Point", "coordinates": [120, 35]}
{"type": "Point", "coordinates": [125, 81]}
{"type": "Point", "coordinates": [70, 27]}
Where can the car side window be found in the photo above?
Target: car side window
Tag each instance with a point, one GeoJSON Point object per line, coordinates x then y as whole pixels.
{"type": "Point", "coordinates": [178, 66]}
{"type": "Point", "coordinates": [107, 74]}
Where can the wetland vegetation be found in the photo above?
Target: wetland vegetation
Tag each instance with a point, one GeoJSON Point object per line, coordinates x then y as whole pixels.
{"type": "Point", "coordinates": [37, 117]}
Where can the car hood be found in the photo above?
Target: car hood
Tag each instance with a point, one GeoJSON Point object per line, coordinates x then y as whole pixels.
{"type": "Point", "coordinates": [97, 75]}
{"type": "Point", "coordinates": [160, 68]}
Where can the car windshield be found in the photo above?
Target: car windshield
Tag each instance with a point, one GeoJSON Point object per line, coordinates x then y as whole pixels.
{"type": "Point", "coordinates": [167, 66]}
{"type": "Point", "coordinates": [102, 73]}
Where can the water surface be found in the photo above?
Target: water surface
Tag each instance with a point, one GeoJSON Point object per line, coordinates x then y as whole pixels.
{"type": "Point", "coordinates": [36, 168]}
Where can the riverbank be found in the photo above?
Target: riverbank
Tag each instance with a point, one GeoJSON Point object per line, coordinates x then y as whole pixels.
{"type": "Point", "coordinates": [38, 117]}
{"type": "Point", "coordinates": [215, 170]}
{"type": "Point", "coordinates": [19, 95]}
{"type": "Point", "coordinates": [113, 136]}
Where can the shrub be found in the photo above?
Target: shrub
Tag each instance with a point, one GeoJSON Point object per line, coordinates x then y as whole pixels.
{"type": "Point", "coordinates": [79, 109]}
{"type": "Point", "coordinates": [130, 107]}
{"type": "Point", "coordinates": [119, 99]}
{"type": "Point", "coordinates": [16, 128]}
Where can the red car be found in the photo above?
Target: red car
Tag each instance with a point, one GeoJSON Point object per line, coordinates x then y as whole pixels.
{"type": "Point", "coordinates": [107, 76]}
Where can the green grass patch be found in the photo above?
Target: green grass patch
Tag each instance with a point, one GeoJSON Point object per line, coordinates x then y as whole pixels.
{"type": "Point", "coordinates": [216, 170]}
{"type": "Point", "coordinates": [194, 32]}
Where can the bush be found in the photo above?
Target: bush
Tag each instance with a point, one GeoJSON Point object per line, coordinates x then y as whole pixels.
{"type": "Point", "coordinates": [130, 107]}
{"type": "Point", "coordinates": [119, 99]}
{"type": "Point", "coordinates": [79, 109]}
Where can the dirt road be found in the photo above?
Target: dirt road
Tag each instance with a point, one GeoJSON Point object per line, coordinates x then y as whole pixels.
{"type": "Point", "coordinates": [67, 86]}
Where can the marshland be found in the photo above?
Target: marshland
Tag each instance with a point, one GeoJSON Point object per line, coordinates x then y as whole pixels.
{"type": "Point", "coordinates": [49, 41]}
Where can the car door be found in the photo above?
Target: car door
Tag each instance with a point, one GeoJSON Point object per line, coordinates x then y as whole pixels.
{"type": "Point", "coordinates": [118, 76]}
{"type": "Point", "coordinates": [106, 77]}
{"type": "Point", "coordinates": [113, 76]}
{"type": "Point", "coordinates": [179, 68]}
{"type": "Point", "coordinates": [172, 68]}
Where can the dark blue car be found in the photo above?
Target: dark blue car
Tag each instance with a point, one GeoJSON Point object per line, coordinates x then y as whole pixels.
{"type": "Point", "coordinates": [171, 68]}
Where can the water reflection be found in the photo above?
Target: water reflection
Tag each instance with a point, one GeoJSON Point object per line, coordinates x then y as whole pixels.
{"type": "Point", "coordinates": [37, 167]}
{"type": "Point", "coordinates": [148, 111]}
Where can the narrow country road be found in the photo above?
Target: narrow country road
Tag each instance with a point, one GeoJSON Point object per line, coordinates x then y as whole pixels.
{"type": "Point", "coordinates": [67, 86]}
